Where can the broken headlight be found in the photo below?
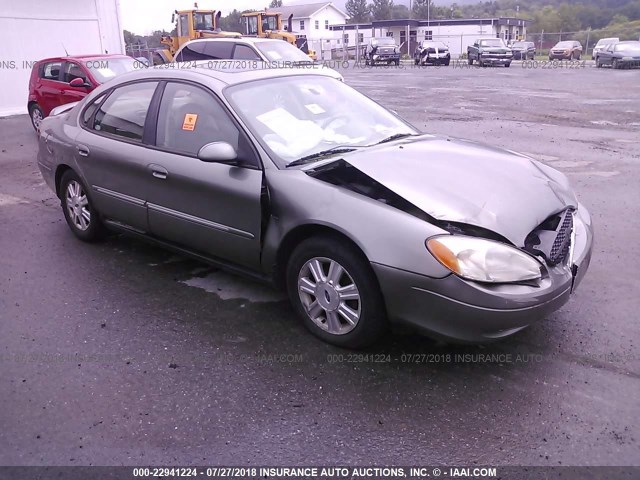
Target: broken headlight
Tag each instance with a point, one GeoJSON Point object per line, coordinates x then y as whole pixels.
{"type": "Point", "coordinates": [483, 260]}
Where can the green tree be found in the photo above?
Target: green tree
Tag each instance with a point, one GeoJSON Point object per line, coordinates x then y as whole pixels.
{"type": "Point", "coordinates": [422, 8]}
{"type": "Point", "coordinates": [400, 12]}
{"type": "Point", "coordinates": [233, 22]}
{"type": "Point", "coordinates": [358, 10]}
{"type": "Point", "coordinates": [382, 9]}
{"type": "Point", "coordinates": [275, 4]}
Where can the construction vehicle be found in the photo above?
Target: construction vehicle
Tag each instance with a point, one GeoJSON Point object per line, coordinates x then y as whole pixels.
{"type": "Point", "coordinates": [191, 25]}
{"type": "Point", "coordinates": [269, 25]}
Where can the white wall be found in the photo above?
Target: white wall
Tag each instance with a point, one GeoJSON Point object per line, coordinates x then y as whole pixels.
{"type": "Point", "coordinates": [36, 29]}
{"type": "Point", "coordinates": [327, 13]}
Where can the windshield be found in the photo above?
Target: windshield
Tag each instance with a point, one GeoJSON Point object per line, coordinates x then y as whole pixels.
{"type": "Point", "coordinates": [627, 47]}
{"type": "Point", "coordinates": [494, 42]}
{"type": "Point", "coordinates": [383, 41]}
{"type": "Point", "coordinates": [604, 41]}
{"type": "Point", "coordinates": [277, 51]}
{"type": "Point", "coordinates": [564, 45]}
{"type": "Point", "coordinates": [104, 69]}
{"type": "Point", "coordinates": [296, 116]}
{"type": "Point", "coordinates": [203, 21]}
{"type": "Point", "coordinates": [520, 45]}
{"type": "Point", "coordinates": [438, 45]}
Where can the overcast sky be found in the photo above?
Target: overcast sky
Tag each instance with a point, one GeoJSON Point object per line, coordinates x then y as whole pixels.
{"type": "Point", "coordinates": [144, 16]}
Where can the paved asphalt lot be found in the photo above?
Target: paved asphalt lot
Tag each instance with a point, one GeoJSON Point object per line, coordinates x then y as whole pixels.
{"type": "Point", "coordinates": [123, 354]}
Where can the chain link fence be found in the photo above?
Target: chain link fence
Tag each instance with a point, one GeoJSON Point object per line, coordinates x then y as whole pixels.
{"type": "Point", "coordinates": [587, 38]}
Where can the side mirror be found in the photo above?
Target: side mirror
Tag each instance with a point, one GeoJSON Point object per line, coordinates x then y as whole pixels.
{"type": "Point", "coordinates": [218, 152]}
{"type": "Point", "coordinates": [78, 82]}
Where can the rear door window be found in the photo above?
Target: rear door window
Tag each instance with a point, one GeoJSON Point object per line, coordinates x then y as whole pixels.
{"type": "Point", "coordinates": [244, 52]}
{"type": "Point", "coordinates": [192, 52]}
{"type": "Point", "coordinates": [218, 50]}
{"type": "Point", "coordinates": [124, 112]}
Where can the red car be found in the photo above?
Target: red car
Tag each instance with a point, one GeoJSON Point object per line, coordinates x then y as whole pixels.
{"type": "Point", "coordinates": [60, 80]}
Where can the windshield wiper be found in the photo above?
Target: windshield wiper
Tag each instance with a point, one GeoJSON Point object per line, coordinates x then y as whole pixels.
{"type": "Point", "coordinates": [318, 155]}
{"type": "Point", "coordinates": [396, 137]}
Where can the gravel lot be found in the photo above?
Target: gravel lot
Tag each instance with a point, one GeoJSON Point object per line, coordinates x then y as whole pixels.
{"type": "Point", "coordinates": [123, 354]}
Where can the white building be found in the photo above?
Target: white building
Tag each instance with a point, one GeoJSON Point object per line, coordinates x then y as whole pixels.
{"type": "Point", "coordinates": [37, 29]}
{"type": "Point", "coordinates": [457, 33]}
{"type": "Point", "coordinates": [314, 21]}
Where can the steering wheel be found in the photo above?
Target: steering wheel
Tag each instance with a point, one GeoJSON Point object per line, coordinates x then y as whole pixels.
{"type": "Point", "coordinates": [334, 119]}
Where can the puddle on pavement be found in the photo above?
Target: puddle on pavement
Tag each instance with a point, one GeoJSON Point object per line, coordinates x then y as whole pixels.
{"type": "Point", "coordinates": [232, 287]}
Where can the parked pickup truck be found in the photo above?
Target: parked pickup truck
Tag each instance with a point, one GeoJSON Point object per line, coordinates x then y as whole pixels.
{"type": "Point", "coordinates": [489, 51]}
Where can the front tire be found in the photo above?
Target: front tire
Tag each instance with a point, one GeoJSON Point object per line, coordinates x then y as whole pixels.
{"type": "Point", "coordinates": [333, 289]}
{"type": "Point", "coordinates": [81, 216]}
{"type": "Point", "coordinates": [615, 64]}
{"type": "Point", "coordinates": [35, 112]}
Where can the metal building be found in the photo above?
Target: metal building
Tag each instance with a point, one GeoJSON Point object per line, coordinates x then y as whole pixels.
{"type": "Point", "coordinates": [36, 29]}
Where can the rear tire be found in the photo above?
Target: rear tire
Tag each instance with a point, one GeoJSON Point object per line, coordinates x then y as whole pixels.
{"type": "Point", "coordinates": [333, 289]}
{"type": "Point", "coordinates": [35, 112]}
{"type": "Point", "coordinates": [598, 64]}
{"type": "Point", "coordinates": [470, 61]}
{"type": "Point", "coordinates": [81, 216]}
{"type": "Point", "coordinates": [507, 65]}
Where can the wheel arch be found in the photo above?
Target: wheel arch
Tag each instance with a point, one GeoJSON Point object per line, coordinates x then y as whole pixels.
{"type": "Point", "coordinates": [299, 234]}
{"type": "Point", "coordinates": [60, 171]}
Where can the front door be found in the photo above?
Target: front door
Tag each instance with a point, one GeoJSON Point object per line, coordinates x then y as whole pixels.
{"type": "Point", "coordinates": [211, 208]}
{"type": "Point", "coordinates": [71, 71]}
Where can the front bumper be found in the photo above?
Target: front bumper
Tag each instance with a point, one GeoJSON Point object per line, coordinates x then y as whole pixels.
{"type": "Point", "coordinates": [456, 309]}
{"type": "Point", "coordinates": [560, 56]}
{"type": "Point", "coordinates": [388, 57]}
{"type": "Point", "coordinates": [522, 55]}
{"type": "Point", "coordinates": [491, 60]}
{"type": "Point", "coordinates": [435, 58]}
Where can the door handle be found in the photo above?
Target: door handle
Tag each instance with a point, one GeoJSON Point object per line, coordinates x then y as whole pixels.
{"type": "Point", "coordinates": [159, 172]}
{"type": "Point", "coordinates": [83, 151]}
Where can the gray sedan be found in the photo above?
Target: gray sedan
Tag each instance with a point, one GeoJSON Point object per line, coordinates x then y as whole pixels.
{"type": "Point", "coordinates": [295, 178]}
{"type": "Point", "coordinates": [620, 55]}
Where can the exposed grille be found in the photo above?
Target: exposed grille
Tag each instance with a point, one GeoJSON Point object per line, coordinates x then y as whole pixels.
{"type": "Point", "coordinates": [562, 243]}
{"type": "Point", "coordinates": [552, 239]}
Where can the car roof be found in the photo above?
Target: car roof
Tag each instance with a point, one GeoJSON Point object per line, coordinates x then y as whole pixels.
{"type": "Point", "coordinates": [83, 57]}
{"type": "Point", "coordinates": [234, 40]}
{"type": "Point", "coordinates": [221, 71]}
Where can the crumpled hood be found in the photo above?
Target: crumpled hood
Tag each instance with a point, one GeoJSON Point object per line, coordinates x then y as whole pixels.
{"type": "Point", "coordinates": [463, 181]}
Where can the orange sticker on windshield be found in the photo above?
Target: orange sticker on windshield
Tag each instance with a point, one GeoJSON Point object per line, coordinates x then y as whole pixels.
{"type": "Point", "coordinates": [189, 123]}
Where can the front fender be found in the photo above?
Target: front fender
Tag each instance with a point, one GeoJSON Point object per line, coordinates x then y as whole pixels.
{"type": "Point", "coordinates": [386, 235]}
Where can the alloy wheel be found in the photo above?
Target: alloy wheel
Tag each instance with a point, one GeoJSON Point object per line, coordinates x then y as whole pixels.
{"type": "Point", "coordinates": [329, 295]}
{"type": "Point", "coordinates": [36, 118]}
{"type": "Point", "coordinates": [77, 205]}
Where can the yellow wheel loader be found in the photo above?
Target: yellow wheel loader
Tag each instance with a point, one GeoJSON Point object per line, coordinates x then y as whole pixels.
{"type": "Point", "coordinates": [191, 25]}
{"type": "Point", "coordinates": [269, 25]}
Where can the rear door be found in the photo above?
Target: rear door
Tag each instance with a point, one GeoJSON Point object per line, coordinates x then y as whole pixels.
{"type": "Point", "coordinates": [212, 208]}
{"type": "Point", "coordinates": [49, 86]}
{"type": "Point", "coordinates": [113, 154]}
